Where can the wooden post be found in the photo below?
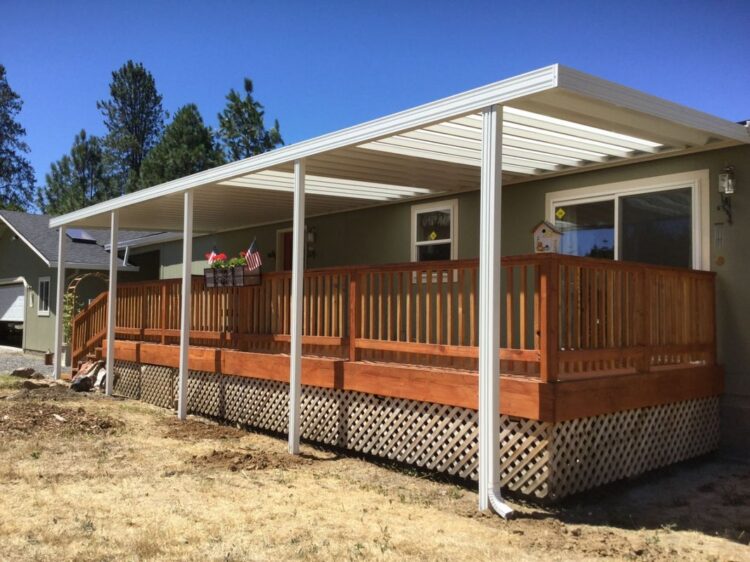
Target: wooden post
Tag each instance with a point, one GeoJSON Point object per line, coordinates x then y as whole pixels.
{"type": "Point", "coordinates": [353, 315]}
{"type": "Point", "coordinates": [643, 320]}
{"type": "Point", "coordinates": [163, 318]}
{"type": "Point", "coordinates": [549, 321]}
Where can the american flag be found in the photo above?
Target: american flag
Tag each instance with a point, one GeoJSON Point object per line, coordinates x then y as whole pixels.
{"type": "Point", "coordinates": [212, 257]}
{"type": "Point", "coordinates": [252, 256]}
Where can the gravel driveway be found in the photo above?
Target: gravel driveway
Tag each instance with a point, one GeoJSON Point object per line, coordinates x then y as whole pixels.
{"type": "Point", "coordinates": [12, 358]}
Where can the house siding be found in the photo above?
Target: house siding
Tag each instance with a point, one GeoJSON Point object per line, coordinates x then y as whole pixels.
{"type": "Point", "coordinates": [18, 260]}
{"type": "Point", "coordinates": [382, 235]}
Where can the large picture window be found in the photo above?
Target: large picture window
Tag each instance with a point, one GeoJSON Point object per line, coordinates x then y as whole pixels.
{"type": "Point", "coordinates": [433, 231]}
{"type": "Point", "coordinates": [660, 221]}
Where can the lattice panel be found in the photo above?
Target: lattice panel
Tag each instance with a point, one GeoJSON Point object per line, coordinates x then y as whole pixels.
{"type": "Point", "coordinates": [159, 385]}
{"type": "Point", "coordinates": [127, 379]}
{"type": "Point", "coordinates": [538, 459]}
{"type": "Point", "coordinates": [589, 452]}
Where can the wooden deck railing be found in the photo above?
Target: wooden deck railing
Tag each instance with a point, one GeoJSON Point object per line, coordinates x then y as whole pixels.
{"type": "Point", "coordinates": [563, 317]}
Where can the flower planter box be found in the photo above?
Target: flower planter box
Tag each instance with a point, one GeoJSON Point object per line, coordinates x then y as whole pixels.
{"type": "Point", "coordinates": [243, 276]}
{"type": "Point", "coordinates": [217, 277]}
{"type": "Point", "coordinates": [231, 276]}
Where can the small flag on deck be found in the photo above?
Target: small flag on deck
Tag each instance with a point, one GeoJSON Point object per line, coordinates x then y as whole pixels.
{"type": "Point", "coordinates": [252, 256]}
{"type": "Point", "coordinates": [212, 256]}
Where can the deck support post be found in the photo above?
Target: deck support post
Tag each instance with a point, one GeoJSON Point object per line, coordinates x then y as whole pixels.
{"type": "Point", "coordinates": [298, 265]}
{"type": "Point", "coordinates": [59, 297]}
{"type": "Point", "coordinates": [112, 302]}
{"type": "Point", "coordinates": [187, 270]}
{"type": "Point", "coordinates": [489, 311]}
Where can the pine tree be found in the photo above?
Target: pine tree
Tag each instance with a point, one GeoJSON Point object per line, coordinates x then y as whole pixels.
{"type": "Point", "coordinates": [76, 180]}
{"type": "Point", "coordinates": [242, 131]}
{"type": "Point", "coordinates": [134, 118]}
{"type": "Point", "coordinates": [16, 173]}
{"type": "Point", "coordinates": [186, 147]}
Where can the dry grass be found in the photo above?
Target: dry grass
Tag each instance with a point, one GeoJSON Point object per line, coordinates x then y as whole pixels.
{"type": "Point", "coordinates": [151, 488]}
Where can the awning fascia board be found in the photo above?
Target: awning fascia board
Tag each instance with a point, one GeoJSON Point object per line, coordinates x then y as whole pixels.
{"type": "Point", "coordinates": [421, 116]}
{"type": "Point", "coordinates": [592, 87]}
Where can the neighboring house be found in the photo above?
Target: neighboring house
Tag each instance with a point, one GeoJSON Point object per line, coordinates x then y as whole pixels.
{"type": "Point", "coordinates": [28, 265]}
{"type": "Point", "coordinates": [607, 367]}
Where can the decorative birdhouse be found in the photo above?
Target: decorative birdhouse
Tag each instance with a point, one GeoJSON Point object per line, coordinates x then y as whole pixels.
{"type": "Point", "coordinates": [546, 238]}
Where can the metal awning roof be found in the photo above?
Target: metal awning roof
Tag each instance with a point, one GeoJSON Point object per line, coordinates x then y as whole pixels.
{"type": "Point", "coordinates": [556, 120]}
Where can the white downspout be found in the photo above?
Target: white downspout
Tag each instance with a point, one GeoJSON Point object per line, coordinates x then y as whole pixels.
{"type": "Point", "coordinates": [112, 303]}
{"type": "Point", "coordinates": [298, 272]}
{"type": "Point", "coordinates": [59, 296]}
{"type": "Point", "coordinates": [489, 312]}
{"type": "Point", "coordinates": [187, 270]}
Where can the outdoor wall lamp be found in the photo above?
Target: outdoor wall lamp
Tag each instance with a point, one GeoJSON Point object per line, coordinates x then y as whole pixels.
{"type": "Point", "coordinates": [727, 185]}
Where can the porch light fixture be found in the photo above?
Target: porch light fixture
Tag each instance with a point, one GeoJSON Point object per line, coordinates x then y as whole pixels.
{"type": "Point", "coordinates": [727, 185]}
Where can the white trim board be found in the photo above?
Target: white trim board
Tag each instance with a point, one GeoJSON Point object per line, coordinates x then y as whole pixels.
{"type": "Point", "coordinates": [698, 181]}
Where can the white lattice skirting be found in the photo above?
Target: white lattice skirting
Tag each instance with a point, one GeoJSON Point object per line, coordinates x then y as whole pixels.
{"type": "Point", "coordinates": [538, 459]}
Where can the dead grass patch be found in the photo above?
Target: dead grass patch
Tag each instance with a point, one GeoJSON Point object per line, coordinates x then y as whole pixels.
{"type": "Point", "coordinates": [153, 488]}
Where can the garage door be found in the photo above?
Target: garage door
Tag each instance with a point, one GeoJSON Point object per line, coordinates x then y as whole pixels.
{"type": "Point", "coordinates": [11, 303]}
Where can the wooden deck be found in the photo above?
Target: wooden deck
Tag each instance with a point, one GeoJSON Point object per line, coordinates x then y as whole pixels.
{"type": "Point", "coordinates": [580, 336]}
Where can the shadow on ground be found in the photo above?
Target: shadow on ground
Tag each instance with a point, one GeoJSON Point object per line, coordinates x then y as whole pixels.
{"type": "Point", "coordinates": [709, 495]}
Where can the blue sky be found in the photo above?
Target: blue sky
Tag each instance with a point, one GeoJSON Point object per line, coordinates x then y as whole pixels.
{"type": "Point", "coordinates": [319, 66]}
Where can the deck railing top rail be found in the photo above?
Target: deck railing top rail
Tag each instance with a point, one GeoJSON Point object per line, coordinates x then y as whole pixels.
{"type": "Point", "coordinates": [563, 316]}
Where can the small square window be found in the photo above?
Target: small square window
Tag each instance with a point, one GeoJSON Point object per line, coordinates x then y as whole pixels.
{"type": "Point", "coordinates": [43, 296]}
{"type": "Point", "coordinates": [434, 227]}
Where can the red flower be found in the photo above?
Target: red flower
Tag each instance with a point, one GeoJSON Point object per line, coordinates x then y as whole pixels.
{"type": "Point", "coordinates": [221, 257]}
{"type": "Point", "coordinates": [243, 253]}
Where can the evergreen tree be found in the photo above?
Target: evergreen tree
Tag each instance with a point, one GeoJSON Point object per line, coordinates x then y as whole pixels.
{"type": "Point", "coordinates": [186, 147]}
{"type": "Point", "coordinates": [76, 180]}
{"type": "Point", "coordinates": [134, 118]}
{"type": "Point", "coordinates": [16, 173]}
{"type": "Point", "coordinates": [242, 131]}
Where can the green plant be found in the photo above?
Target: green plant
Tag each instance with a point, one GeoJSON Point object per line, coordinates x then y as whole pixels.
{"type": "Point", "coordinates": [70, 307]}
{"type": "Point", "coordinates": [237, 262]}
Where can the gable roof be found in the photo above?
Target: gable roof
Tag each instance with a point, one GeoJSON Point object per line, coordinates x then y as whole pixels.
{"type": "Point", "coordinates": [35, 232]}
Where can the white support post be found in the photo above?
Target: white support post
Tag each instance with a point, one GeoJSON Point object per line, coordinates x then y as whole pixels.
{"type": "Point", "coordinates": [59, 305]}
{"type": "Point", "coordinates": [187, 271]}
{"type": "Point", "coordinates": [298, 265]}
{"type": "Point", "coordinates": [112, 302]}
{"type": "Point", "coordinates": [489, 311]}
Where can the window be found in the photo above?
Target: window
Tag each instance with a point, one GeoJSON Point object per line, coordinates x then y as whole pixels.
{"type": "Point", "coordinates": [43, 297]}
{"type": "Point", "coordinates": [661, 221]}
{"type": "Point", "coordinates": [433, 231]}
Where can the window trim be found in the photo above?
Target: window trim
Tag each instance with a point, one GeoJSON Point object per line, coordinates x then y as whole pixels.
{"type": "Point", "coordinates": [442, 205]}
{"type": "Point", "coordinates": [39, 310]}
{"type": "Point", "coordinates": [697, 181]}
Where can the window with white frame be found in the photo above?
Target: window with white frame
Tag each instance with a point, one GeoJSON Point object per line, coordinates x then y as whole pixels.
{"type": "Point", "coordinates": [661, 220]}
{"type": "Point", "coordinates": [43, 297]}
{"type": "Point", "coordinates": [434, 229]}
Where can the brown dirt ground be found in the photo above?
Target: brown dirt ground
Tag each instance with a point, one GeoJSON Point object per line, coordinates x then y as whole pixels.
{"type": "Point", "coordinates": [135, 484]}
